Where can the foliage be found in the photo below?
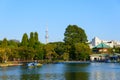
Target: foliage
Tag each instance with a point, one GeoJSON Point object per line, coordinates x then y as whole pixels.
{"type": "Point", "coordinates": [59, 48]}
{"type": "Point", "coordinates": [74, 47]}
{"type": "Point", "coordinates": [4, 43]}
{"type": "Point", "coordinates": [66, 56]}
{"type": "Point", "coordinates": [4, 54]}
{"type": "Point", "coordinates": [82, 51]}
{"type": "Point", "coordinates": [39, 49]}
{"type": "Point", "coordinates": [116, 50]}
{"type": "Point", "coordinates": [75, 40]}
{"type": "Point", "coordinates": [5, 51]}
{"type": "Point", "coordinates": [31, 40]}
{"type": "Point", "coordinates": [24, 40]}
{"type": "Point", "coordinates": [50, 51]}
{"type": "Point", "coordinates": [74, 34]}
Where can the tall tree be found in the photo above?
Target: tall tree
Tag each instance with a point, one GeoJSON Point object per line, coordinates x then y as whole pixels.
{"type": "Point", "coordinates": [74, 34]}
{"type": "Point", "coordinates": [24, 40]}
{"type": "Point", "coordinates": [31, 40]}
{"type": "Point", "coordinates": [36, 41]}
{"type": "Point", "coordinates": [36, 37]}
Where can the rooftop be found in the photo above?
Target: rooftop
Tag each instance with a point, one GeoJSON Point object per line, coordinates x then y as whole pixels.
{"type": "Point", "coordinates": [102, 45]}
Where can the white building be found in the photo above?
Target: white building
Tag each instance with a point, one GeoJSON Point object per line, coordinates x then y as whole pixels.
{"type": "Point", "coordinates": [95, 41]}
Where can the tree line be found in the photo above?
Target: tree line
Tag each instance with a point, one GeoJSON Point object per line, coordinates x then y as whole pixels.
{"type": "Point", "coordinates": [73, 47]}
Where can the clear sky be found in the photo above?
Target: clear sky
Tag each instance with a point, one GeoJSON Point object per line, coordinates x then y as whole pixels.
{"type": "Point", "coordinates": [99, 18]}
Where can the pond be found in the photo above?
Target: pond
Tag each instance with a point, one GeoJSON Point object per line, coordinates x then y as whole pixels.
{"type": "Point", "coordinates": [67, 71]}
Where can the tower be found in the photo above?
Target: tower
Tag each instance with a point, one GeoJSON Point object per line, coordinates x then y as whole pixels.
{"type": "Point", "coordinates": [46, 36]}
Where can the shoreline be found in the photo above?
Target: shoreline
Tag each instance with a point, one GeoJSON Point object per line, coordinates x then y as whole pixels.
{"type": "Point", "coordinates": [19, 63]}
{"type": "Point", "coordinates": [10, 64]}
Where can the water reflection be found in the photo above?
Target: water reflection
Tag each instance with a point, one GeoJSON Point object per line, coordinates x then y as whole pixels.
{"type": "Point", "coordinates": [9, 73]}
{"type": "Point", "coordinates": [76, 72]}
{"type": "Point", "coordinates": [93, 71]}
{"type": "Point", "coordinates": [77, 76]}
{"type": "Point", "coordinates": [105, 71]}
{"type": "Point", "coordinates": [30, 77]}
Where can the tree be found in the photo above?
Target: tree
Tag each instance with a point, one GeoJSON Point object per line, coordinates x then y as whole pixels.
{"type": "Point", "coordinates": [82, 51]}
{"type": "Point", "coordinates": [74, 34]}
{"type": "Point", "coordinates": [66, 56]}
{"type": "Point", "coordinates": [24, 40]}
{"type": "Point", "coordinates": [13, 45]}
{"type": "Point", "coordinates": [4, 43]}
{"type": "Point", "coordinates": [31, 40]}
{"type": "Point", "coordinates": [39, 49]}
{"type": "Point", "coordinates": [2, 55]}
{"type": "Point", "coordinates": [14, 54]}
{"type": "Point", "coordinates": [60, 48]}
{"type": "Point", "coordinates": [50, 51]}
{"type": "Point", "coordinates": [36, 37]}
{"type": "Point", "coordinates": [5, 51]}
{"type": "Point", "coordinates": [26, 53]}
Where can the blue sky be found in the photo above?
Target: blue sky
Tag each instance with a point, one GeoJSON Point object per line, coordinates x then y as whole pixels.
{"type": "Point", "coordinates": [97, 17]}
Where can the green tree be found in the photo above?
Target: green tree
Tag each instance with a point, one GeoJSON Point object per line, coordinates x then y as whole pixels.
{"type": "Point", "coordinates": [36, 37]}
{"type": "Point", "coordinates": [37, 43]}
{"type": "Point", "coordinates": [116, 50]}
{"type": "Point", "coordinates": [24, 40]}
{"type": "Point", "coordinates": [82, 51]}
{"type": "Point", "coordinates": [14, 54]}
{"type": "Point", "coordinates": [31, 40]}
{"type": "Point", "coordinates": [13, 45]}
{"type": "Point", "coordinates": [26, 53]}
{"type": "Point", "coordinates": [34, 50]}
{"type": "Point", "coordinates": [74, 34]}
{"type": "Point", "coordinates": [60, 48]}
{"type": "Point", "coordinates": [39, 49]}
{"type": "Point", "coordinates": [50, 51]}
{"type": "Point", "coordinates": [4, 43]}
{"type": "Point", "coordinates": [66, 56]}
{"type": "Point", "coordinates": [5, 51]}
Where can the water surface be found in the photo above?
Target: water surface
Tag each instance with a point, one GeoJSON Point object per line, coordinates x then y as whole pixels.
{"type": "Point", "coordinates": [69, 71]}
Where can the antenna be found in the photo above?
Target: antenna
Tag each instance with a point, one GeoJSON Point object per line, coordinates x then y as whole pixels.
{"type": "Point", "coordinates": [46, 36]}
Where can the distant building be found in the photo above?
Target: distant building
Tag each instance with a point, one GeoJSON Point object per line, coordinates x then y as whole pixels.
{"type": "Point", "coordinates": [95, 41]}
{"type": "Point", "coordinates": [101, 48]}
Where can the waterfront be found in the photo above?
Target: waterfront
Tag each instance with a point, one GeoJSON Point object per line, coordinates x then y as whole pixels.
{"type": "Point", "coordinates": [67, 71]}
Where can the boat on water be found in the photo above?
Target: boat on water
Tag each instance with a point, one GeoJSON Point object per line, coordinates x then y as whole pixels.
{"type": "Point", "coordinates": [34, 64]}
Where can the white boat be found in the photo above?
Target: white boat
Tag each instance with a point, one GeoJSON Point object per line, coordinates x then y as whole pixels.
{"type": "Point", "coordinates": [34, 64]}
